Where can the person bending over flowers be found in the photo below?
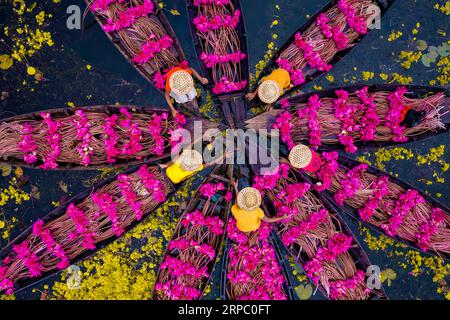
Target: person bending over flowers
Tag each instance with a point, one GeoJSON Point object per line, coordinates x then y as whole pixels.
{"type": "Point", "coordinates": [180, 86]}
{"type": "Point", "coordinates": [302, 157]}
{"type": "Point", "coordinates": [272, 87]}
{"type": "Point", "coordinates": [247, 211]}
{"type": "Point", "coordinates": [186, 165]}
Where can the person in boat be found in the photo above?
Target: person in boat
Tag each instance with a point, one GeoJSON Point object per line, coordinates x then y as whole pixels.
{"type": "Point", "coordinates": [411, 118]}
{"type": "Point", "coordinates": [247, 209]}
{"type": "Point", "coordinates": [180, 86]}
{"type": "Point", "coordinates": [272, 87]}
{"type": "Point", "coordinates": [186, 165]}
{"type": "Point", "coordinates": [302, 157]}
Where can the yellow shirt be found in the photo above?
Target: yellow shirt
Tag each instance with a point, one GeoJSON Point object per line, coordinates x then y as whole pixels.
{"type": "Point", "coordinates": [247, 221]}
{"type": "Point", "coordinates": [176, 174]}
{"type": "Point", "coordinates": [281, 76]}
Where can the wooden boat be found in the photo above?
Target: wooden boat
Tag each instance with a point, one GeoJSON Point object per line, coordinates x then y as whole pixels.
{"type": "Point", "coordinates": [242, 72]}
{"type": "Point", "coordinates": [311, 74]}
{"type": "Point", "coordinates": [217, 207]}
{"type": "Point", "coordinates": [267, 119]}
{"type": "Point", "coordinates": [253, 238]}
{"type": "Point", "coordinates": [234, 107]}
{"type": "Point", "coordinates": [76, 252]}
{"type": "Point", "coordinates": [144, 113]}
{"type": "Point", "coordinates": [136, 36]}
{"type": "Point", "coordinates": [285, 265]}
{"type": "Point", "coordinates": [288, 288]}
{"type": "Point", "coordinates": [157, 24]}
{"type": "Point", "coordinates": [357, 254]}
{"type": "Point", "coordinates": [347, 164]}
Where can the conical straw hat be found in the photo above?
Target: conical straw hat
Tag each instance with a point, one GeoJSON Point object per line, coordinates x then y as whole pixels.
{"type": "Point", "coordinates": [269, 91]}
{"type": "Point", "coordinates": [191, 160]}
{"type": "Point", "coordinates": [249, 199]}
{"type": "Point", "coordinates": [181, 82]}
{"type": "Point", "coordinates": [300, 156]}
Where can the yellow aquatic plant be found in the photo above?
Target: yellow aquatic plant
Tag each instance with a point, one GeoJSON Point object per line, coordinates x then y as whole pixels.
{"type": "Point", "coordinates": [126, 269]}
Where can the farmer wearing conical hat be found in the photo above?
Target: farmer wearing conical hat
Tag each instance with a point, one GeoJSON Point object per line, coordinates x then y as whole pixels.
{"type": "Point", "coordinates": [187, 164]}
{"type": "Point", "coordinates": [247, 211]}
{"type": "Point", "coordinates": [272, 87]}
{"type": "Point", "coordinates": [180, 86]}
{"type": "Point", "coordinates": [302, 157]}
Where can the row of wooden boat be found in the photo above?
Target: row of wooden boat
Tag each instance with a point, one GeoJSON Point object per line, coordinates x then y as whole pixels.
{"type": "Point", "coordinates": [357, 253]}
{"type": "Point", "coordinates": [232, 104]}
{"type": "Point", "coordinates": [221, 210]}
{"type": "Point", "coordinates": [327, 196]}
{"type": "Point", "coordinates": [7, 251]}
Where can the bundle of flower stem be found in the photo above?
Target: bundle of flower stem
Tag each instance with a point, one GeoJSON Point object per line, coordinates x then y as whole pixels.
{"type": "Point", "coordinates": [221, 41]}
{"type": "Point", "coordinates": [11, 135]}
{"type": "Point", "coordinates": [330, 126]}
{"type": "Point", "coordinates": [419, 216]}
{"type": "Point", "coordinates": [83, 225]}
{"type": "Point", "coordinates": [326, 47]}
{"type": "Point", "coordinates": [253, 269]}
{"type": "Point", "coordinates": [194, 245]}
{"type": "Point", "coordinates": [139, 32]}
{"type": "Point", "coordinates": [344, 267]}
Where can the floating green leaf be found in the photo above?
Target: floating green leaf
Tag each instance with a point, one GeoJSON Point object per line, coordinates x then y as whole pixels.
{"type": "Point", "coordinates": [444, 50]}
{"type": "Point", "coordinates": [421, 45]}
{"type": "Point", "coordinates": [6, 169]}
{"type": "Point", "coordinates": [433, 52]}
{"type": "Point", "coordinates": [304, 292]}
{"type": "Point", "coordinates": [426, 61]}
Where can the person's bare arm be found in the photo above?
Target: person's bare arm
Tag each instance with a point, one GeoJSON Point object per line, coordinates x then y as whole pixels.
{"type": "Point", "coordinates": [202, 80]}
{"type": "Point", "coordinates": [252, 95]}
{"type": "Point", "coordinates": [235, 185]}
{"type": "Point", "coordinates": [168, 164]}
{"type": "Point", "coordinates": [165, 165]}
{"type": "Point", "coordinates": [169, 102]}
{"type": "Point", "coordinates": [273, 220]}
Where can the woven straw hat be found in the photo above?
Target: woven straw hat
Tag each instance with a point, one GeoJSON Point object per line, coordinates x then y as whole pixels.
{"type": "Point", "coordinates": [181, 82]}
{"type": "Point", "coordinates": [300, 156]}
{"type": "Point", "coordinates": [249, 199]}
{"type": "Point", "coordinates": [191, 160]}
{"type": "Point", "coordinates": [269, 91]}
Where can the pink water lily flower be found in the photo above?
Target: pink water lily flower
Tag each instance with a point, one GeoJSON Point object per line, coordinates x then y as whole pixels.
{"type": "Point", "coordinates": [209, 189]}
